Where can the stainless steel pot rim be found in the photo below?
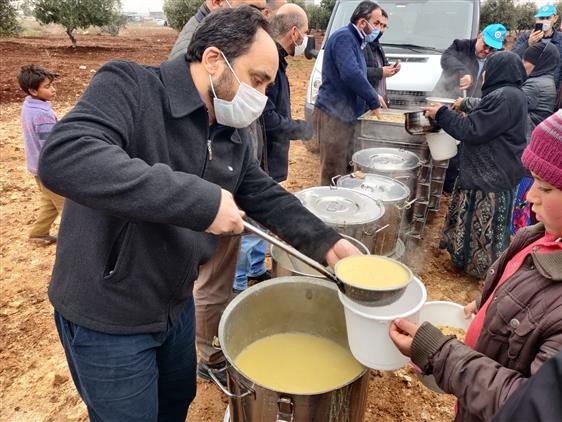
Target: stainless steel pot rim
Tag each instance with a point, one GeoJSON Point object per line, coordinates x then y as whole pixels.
{"type": "Point", "coordinates": [255, 290]}
{"type": "Point", "coordinates": [383, 188]}
{"type": "Point", "coordinates": [386, 159]}
{"type": "Point", "coordinates": [341, 206]}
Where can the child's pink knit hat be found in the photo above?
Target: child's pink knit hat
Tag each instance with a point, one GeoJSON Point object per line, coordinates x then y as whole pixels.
{"type": "Point", "coordinates": [543, 155]}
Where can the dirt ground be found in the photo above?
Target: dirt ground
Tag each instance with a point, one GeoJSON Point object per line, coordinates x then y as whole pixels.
{"type": "Point", "coordinates": [34, 379]}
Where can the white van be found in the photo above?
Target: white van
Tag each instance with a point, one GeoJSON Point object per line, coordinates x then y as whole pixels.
{"type": "Point", "coordinates": [418, 32]}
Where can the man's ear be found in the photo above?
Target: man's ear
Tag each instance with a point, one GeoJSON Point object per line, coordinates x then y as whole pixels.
{"type": "Point", "coordinates": [212, 60]}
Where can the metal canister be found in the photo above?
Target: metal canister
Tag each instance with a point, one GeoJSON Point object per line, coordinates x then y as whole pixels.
{"type": "Point", "coordinates": [348, 211]}
{"type": "Point", "coordinates": [395, 197]}
{"type": "Point", "coordinates": [281, 305]}
{"type": "Point", "coordinates": [396, 163]}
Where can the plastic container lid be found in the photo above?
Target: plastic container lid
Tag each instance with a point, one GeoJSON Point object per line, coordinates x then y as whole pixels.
{"type": "Point", "coordinates": [383, 188]}
{"type": "Point", "coordinates": [386, 159]}
{"type": "Point", "coordinates": [341, 206]}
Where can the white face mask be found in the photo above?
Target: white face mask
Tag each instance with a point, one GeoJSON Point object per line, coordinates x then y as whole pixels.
{"type": "Point", "coordinates": [546, 26]}
{"type": "Point", "coordinates": [299, 48]}
{"type": "Point", "coordinates": [246, 106]}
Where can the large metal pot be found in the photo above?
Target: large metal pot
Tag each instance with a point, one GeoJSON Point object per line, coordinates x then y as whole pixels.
{"type": "Point", "coordinates": [280, 305]}
{"type": "Point", "coordinates": [283, 264]}
{"type": "Point", "coordinates": [395, 197]}
{"type": "Point", "coordinates": [348, 211]}
{"type": "Point", "coordinates": [395, 163]}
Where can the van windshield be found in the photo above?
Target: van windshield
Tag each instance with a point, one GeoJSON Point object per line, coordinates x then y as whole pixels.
{"type": "Point", "coordinates": [433, 24]}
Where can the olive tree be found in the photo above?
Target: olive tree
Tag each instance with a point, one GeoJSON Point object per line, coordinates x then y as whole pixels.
{"type": "Point", "coordinates": [77, 14]}
{"type": "Point", "coordinates": [8, 19]}
{"type": "Point", "coordinates": [178, 12]}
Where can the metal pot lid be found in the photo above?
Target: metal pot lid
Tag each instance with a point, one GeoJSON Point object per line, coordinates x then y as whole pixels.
{"type": "Point", "coordinates": [337, 206]}
{"type": "Point", "coordinates": [386, 159]}
{"type": "Point", "coordinates": [380, 187]}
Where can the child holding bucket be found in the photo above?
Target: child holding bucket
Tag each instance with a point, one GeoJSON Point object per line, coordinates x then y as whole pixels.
{"type": "Point", "coordinates": [518, 322]}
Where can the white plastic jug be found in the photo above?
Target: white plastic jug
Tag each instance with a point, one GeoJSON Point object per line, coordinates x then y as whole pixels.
{"type": "Point", "coordinates": [367, 327]}
{"type": "Point", "coordinates": [442, 146]}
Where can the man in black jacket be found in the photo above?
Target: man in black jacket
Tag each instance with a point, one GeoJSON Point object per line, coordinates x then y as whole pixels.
{"type": "Point", "coordinates": [463, 61]}
{"type": "Point", "coordinates": [289, 28]}
{"type": "Point", "coordinates": [154, 172]}
{"type": "Point", "coordinates": [378, 67]}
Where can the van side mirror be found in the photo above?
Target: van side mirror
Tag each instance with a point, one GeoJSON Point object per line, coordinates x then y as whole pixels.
{"type": "Point", "coordinates": [310, 52]}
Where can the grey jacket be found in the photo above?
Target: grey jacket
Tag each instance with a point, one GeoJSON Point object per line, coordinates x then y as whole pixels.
{"type": "Point", "coordinates": [184, 37]}
{"type": "Point", "coordinates": [522, 329]}
{"type": "Point", "coordinates": [142, 172]}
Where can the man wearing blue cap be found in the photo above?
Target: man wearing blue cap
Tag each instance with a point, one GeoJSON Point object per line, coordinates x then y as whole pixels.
{"type": "Point", "coordinates": [547, 17]}
{"type": "Point", "coordinates": [462, 65]}
{"type": "Point", "coordinates": [463, 61]}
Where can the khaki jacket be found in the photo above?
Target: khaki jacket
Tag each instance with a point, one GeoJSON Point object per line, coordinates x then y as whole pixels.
{"type": "Point", "coordinates": [522, 329]}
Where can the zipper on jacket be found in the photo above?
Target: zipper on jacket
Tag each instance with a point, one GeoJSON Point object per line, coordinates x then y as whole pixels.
{"type": "Point", "coordinates": [210, 149]}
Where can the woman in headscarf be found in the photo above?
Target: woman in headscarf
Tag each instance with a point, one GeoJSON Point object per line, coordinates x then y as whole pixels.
{"type": "Point", "coordinates": [541, 64]}
{"type": "Point", "coordinates": [493, 133]}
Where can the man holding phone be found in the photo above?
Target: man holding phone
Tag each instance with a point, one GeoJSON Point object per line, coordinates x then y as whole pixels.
{"type": "Point", "coordinates": [378, 67]}
{"type": "Point", "coordinates": [545, 21]}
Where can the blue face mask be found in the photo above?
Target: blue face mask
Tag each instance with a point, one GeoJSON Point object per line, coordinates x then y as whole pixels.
{"type": "Point", "coordinates": [373, 35]}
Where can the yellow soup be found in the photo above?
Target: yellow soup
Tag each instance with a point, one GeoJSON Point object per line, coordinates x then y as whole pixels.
{"type": "Point", "coordinates": [298, 363]}
{"type": "Point", "coordinates": [372, 272]}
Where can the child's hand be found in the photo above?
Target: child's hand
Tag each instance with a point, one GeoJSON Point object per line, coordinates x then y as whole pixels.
{"type": "Point", "coordinates": [402, 334]}
{"type": "Point", "coordinates": [470, 310]}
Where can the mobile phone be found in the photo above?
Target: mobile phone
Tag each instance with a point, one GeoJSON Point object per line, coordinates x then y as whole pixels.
{"type": "Point", "coordinates": [538, 26]}
{"type": "Point", "coordinates": [396, 63]}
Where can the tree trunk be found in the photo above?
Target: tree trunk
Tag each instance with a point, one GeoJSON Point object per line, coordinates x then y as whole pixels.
{"type": "Point", "coordinates": [72, 39]}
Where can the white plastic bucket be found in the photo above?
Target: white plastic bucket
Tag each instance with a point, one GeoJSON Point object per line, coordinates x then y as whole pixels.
{"type": "Point", "coordinates": [442, 146]}
{"type": "Point", "coordinates": [442, 313]}
{"type": "Point", "coordinates": [367, 327]}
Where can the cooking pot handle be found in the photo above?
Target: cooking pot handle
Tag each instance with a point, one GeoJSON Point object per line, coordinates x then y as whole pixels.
{"type": "Point", "coordinates": [407, 205]}
{"type": "Point", "coordinates": [285, 409]}
{"type": "Point", "coordinates": [213, 372]}
{"type": "Point", "coordinates": [368, 233]}
{"type": "Point", "coordinates": [335, 180]}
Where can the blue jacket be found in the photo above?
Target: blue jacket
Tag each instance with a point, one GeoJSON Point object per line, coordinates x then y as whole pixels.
{"type": "Point", "coordinates": [522, 44]}
{"type": "Point", "coordinates": [279, 125]}
{"type": "Point", "coordinates": [345, 92]}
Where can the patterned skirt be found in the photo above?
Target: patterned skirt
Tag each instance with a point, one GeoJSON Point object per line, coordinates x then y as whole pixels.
{"type": "Point", "coordinates": [477, 228]}
{"type": "Point", "coordinates": [522, 207]}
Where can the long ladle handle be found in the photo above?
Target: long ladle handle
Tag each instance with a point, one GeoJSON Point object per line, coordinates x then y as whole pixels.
{"type": "Point", "coordinates": [290, 250]}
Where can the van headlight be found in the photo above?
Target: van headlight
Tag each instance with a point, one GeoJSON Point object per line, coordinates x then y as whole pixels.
{"type": "Point", "coordinates": [315, 87]}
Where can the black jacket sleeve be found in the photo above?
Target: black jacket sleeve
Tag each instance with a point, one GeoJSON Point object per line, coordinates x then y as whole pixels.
{"type": "Point", "coordinates": [539, 399]}
{"type": "Point", "coordinates": [488, 120]}
{"type": "Point", "coordinates": [277, 124]}
{"type": "Point", "coordinates": [86, 160]}
{"type": "Point", "coordinates": [289, 219]}
{"type": "Point", "coordinates": [451, 58]}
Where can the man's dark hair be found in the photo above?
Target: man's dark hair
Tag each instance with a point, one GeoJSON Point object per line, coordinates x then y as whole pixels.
{"type": "Point", "coordinates": [383, 12]}
{"type": "Point", "coordinates": [363, 11]}
{"type": "Point", "coordinates": [31, 76]}
{"type": "Point", "coordinates": [230, 30]}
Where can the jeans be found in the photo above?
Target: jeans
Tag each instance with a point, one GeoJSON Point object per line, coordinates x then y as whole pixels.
{"type": "Point", "coordinates": [139, 377]}
{"type": "Point", "coordinates": [251, 261]}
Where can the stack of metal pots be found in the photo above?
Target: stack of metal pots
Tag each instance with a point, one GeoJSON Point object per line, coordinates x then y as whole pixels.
{"type": "Point", "coordinates": [426, 186]}
{"type": "Point", "coordinates": [396, 198]}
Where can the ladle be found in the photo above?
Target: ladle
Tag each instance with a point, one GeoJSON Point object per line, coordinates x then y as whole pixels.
{"type": "Point", "coordinates": [368, 297]}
